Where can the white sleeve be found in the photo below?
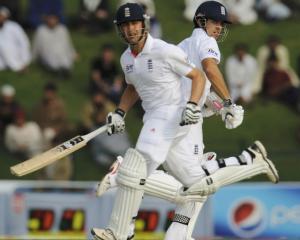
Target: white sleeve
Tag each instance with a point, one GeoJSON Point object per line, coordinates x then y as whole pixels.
{"type": "Point", "coordinates": [35, 132]}
{"type": "Point", "coordinates": [36, 44]}
{"type": "Point", "coordinates": [70, 47]}
{"type": "Point", "coordinates": [123, 66]}
{"type": "Point", "coordinates": [230, 71]}
{"type": "Point", "coordinates": [209, 49]}
{"type": "Point", "coordinates": [126, 80]}
{"type": "Point", "coordinates": [9, 139]}
{"type": "Point", "coordinates": [179, 62]}
{"type": "Point", "coordinates": [24, 45]}
{"type": "Point", "coordinates": [252, 71]}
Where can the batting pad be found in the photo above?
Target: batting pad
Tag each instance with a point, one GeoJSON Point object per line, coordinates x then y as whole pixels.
{"type": "Point", "coordinates": [162, 185]}
{"type": "Point", "coordinates": [131, 180]}
{"type": "Point", "coordinates": [225, 176]}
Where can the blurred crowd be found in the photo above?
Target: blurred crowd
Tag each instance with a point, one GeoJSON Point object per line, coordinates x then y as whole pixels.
{"type": "Point", "coordinates": [27, 133]}
{"type": "Point", "coordinates": [268, 74]}
{"type": "Point", "coordinates": [249, 11]}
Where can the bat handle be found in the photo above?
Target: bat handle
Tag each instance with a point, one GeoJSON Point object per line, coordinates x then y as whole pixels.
{"type": "Point", "coordinates": [95, 133]}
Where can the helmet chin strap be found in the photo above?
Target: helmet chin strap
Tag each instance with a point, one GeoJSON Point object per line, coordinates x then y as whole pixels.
{"type": "Point", "coordinates": [201, 21]}
{"type": "Point", "coordinates": [144, 34]}
{"type": "Point", "coordinates": [124, 37]}
{"type": "Point", "coordinates": [202, 24]}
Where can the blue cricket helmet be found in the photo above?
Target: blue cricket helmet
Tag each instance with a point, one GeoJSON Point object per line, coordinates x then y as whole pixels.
{"type": "Point", "coordinates": [211, 10]}
{"type": "Point", "coordinates": [129, 12]}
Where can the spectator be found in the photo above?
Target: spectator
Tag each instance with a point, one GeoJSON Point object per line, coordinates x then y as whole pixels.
{"type": "Point", "coordinates": [273, 46]}
{"type": "Point", "coordinates": [53, 47]}
{"type": "Point", "coordinates": [149, 9]}
{"type": "Point", "coordinates": [104, 148]}
{"type": "Point", "coordinates": [277, 85]}
{"type": "Point", "coordinates": [14, 44]}
{"type": "Point", "coordinates": [105, 74]}
{"type": "Point", "coordinates": [240, 71]}
{"type": "Point", "coordinates": [94, 111]}
{"type": "Point", "coordinates": [242, 11]}
{"type": "Point", "coordinates": [298, 65]}
{"type": "Point", "coordinates": [37, 9]}
{"type": "Point", "coordinates": [155, 29]}
{"type": "Point", "coordinates": [294, 5]}
{"type": "Point", "coordinates": [23, 138]}
{"type": "Point", "coordinates": [8, 107]}
{"type": "Point", "coordinates": [50, 114]}
{"type": "Point", "coordinates": [14, 8]}
{"type": "Point", "coordinates": [95, 15]}
{"type": "Point", "coordinates": [273, 10]}
{"type": "Point", "coordinates": [192, 5]}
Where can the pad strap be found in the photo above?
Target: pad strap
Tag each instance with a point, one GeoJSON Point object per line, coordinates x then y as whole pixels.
{"type": "Point", "coordinates": [241, 159]}
{"type": "Point", "coordinates": [132, 172]}
{"type": "Point", "coordinates": [205, 170]}
{"type": "Point", "coordinates": [221, 162]}
{"type": "Point", "coordinates": [181, 219]}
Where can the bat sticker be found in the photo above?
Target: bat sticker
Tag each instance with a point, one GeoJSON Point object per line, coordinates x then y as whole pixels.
{"type": "Point", "coordinates": [69, 144]}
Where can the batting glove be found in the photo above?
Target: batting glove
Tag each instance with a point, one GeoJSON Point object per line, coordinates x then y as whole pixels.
{"type": "Point", "coordinates": [232, 114]}
{"type": "Point", "coordinates": [191, 114]}
{"type": "Point", "coordinates": [115, 122]}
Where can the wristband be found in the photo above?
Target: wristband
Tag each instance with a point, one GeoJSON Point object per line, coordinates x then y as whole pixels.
{"type": "Point", "coordinates": [120, 112]}
{"type": "Point", "coordinates": [192, 103]}
{"type": "Point", "coordinates": [227, 103]}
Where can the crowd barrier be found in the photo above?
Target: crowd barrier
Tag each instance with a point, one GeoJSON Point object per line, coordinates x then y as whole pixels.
{"type": "Point", "coordinates": [60, 210]}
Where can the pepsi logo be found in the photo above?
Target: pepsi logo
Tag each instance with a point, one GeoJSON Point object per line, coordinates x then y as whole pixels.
{"type": "Point", "coordinates": [247, 218]}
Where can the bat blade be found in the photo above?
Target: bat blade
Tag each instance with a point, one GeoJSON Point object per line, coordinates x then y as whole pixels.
{"type": "Point", "coordinates": [48, 157]}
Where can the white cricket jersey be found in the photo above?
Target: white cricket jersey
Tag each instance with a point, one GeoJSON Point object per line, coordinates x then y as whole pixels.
{"type": "Point", "coordinates": [156, 73]}
{"type": "Point", "coordinates": [198, 47]}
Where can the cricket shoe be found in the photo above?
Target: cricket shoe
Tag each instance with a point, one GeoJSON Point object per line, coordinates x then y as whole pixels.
{"type": "Point", "coordinates": [105, 234]}
{"type": "Point", "coordinates": [259, 154]}
{"type": "Point", "coordinates": [109, 179]}
{"type": "Point", "coordinates": [232, 174]}
{"type": "Point", "coordinates": [102, 234]}
{"type": "Point", "coordinates": [103, 186]}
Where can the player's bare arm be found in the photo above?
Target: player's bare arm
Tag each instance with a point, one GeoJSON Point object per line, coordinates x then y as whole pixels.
{"type": "Point", "coordinates": [129, 98]}
{"type": "Point", "coordinates": [216, 78]}
{"type": "Point", "coordinates": [198, 83]}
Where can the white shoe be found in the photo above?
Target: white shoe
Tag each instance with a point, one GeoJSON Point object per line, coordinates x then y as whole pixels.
{"type": "Point", "coordinates": [260, 154]}
{"type": "Point", "coordinates": [103, 186]}
{"type": "Point", "coordinates": [105, 234]}
{"type": "Point", "coordinates": [105, 183]}
{"type": "Point", "coordinates": [102, 234]}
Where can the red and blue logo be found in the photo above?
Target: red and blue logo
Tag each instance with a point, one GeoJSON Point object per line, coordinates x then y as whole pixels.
{"type": "Point", "coordinates": [247, 218]}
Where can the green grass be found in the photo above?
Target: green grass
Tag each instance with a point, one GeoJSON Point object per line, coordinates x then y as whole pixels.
{"type": "Point", "coordinates": [269, 122]}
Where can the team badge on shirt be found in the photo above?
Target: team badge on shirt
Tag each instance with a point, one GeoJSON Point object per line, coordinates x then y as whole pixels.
{"type": "Point", "coordinates": [150, 65]}
{"type": "Point", "coordinates": [129, 68]}
{"type": "Point", "coordinates": [196, 149]}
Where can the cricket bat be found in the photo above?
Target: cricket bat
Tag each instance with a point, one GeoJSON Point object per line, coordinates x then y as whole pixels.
{"type": "Point", "coordinates": [215, 103]}
{"type": "Point", "coordinates": [54, 154]}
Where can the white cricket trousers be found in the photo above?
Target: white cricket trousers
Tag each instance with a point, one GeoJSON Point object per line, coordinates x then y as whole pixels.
{"type": "Point", "coordinates": [163, 139]}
